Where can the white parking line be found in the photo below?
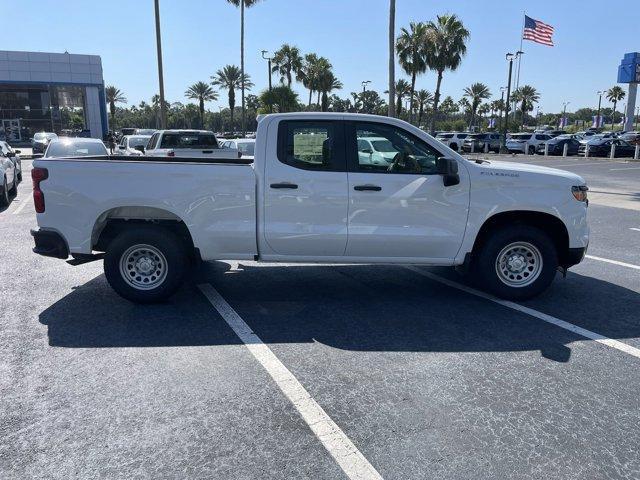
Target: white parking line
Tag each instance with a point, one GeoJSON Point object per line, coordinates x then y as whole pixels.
{"type": "Point", "coordinates": [614, 262]}
{"type": "Point", "coordinates": [24, 203]}
{"type": "Point", "coordinates": [343, 451]}
{"type": "Point", "coordinates": [636, 229]}
{"type": "Point", "coordinates": [580, 164]}
{"type": "Point", "coordinates": [623, 347]}
{"type": "Point", "coordinates": [628, 168]}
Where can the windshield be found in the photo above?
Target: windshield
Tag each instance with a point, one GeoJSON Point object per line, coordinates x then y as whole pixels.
{"type": "Point", "coordinates": [189, 140]}
{"type": "Point", "coordinates": [144, 131]}
{"type": "Point", "coordinates": [137, 141]}
{"type": "Point", "coordinates": [383, 146]}
{"type": "Point", "coordinates": [44, 135]}
{"type": "Point", "coordinates": [75, 149]}
{"type": "Point", "coordinates": [246, 148]}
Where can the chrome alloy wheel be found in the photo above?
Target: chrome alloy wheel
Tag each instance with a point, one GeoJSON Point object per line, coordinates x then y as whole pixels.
{"type": "Point", "coordinates": [519, 264]}
{"type": "Point", "coordinates": [143, 267]}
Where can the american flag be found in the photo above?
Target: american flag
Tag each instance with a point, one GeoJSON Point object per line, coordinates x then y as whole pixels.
{"type": "Point", "coordinates": [537, 31]}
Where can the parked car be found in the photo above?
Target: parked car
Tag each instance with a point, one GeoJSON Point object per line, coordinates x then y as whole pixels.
{"type": "Point", "coordinates": [453, 140]}
{"type": "Point", "coordinates": [245, 146]}
{"type": "Point", "coordinates": [518, 142]}
{"type": "Point", "coordinates": [375, 151]}
{"type": "Point", "coordinates": [186, 143]}
{"type": "Point", "coordinates": [14, 155]}
{"type": "Point", "coordinates": [41, 140]}
{"type": "Point", "coordinates": [144, 131]}
{"type": "Point", "coordinates": [75, 147]}
{"type": "Point", "coordinates": [479, 140]}
{"type": "Point", "coordinates": [133, 145]}
{"type": "Point", "coordinates": [127, 131]}
{"type": "Point", "coordinates": [555, 146]}
{"type": "Point", "coordinates": [308, 197]}
{"type": "Point", "coordinates": [631, 137]}
{"type": "Point", "coordinates": [8, 179]}
{"type": "Point", "coordinates": [601, 147]}
{"type": "Point", "coordinates": [554, 133]}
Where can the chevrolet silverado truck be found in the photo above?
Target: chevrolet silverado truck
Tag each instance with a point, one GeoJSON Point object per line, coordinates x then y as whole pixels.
{"type": "Point", "coordinates": [310, 196]}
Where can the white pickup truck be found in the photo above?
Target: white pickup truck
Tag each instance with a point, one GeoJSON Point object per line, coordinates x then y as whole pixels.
{"type": "Point", "coordinates": [310, 197]}
{"type": "Point", "coordinates": [186, 143]}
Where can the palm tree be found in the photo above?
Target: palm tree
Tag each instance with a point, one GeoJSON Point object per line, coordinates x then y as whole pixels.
{"type": "Point", "coordinates": [392, 57]}
{"type": "Point", "coordinates": [476, 93]}
{"type": "Point", "coordinates": [306, 72]}
{"type": "Point", "coordinates": [230, 77]}
{"type": "Point", "coordinates": [285, 99]}
{"type": "Point", "coordinates": [614, 95]}
{"type": "Point", "coordinates": [286, 61]}
{"type": "Point", "coordinates": [402, 90]}
{"type": "Point", "coordinates": [203, 93]}
{"type": "Point", "coordinates": [422, 99]}
{"type": "Point", "coordinates": [327, 82]}
{"type": "Point", "coordinates": [445, 49]}
{"type": "Point", "coordinates": [242, 4]}
{"type": "Point", "coordinates": [411, 48]}
{"type": "Point", "coordinates": [114, 96]}
{"type": "Point", "coordinates": [526, 96]}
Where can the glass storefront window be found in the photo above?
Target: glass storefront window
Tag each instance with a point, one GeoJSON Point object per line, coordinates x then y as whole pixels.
{"type": "Point", "coordinates": [27, 109]}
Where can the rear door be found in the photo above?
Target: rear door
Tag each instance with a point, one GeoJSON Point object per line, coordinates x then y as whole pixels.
{"type": "Point", "coordinates": [305, 189]}
{"type": "Point", "coordinates": [402, 209]}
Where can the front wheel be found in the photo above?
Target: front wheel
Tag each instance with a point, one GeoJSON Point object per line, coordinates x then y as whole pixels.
{"type": "Point", "coordinates": [4, 194]}
{"type": "Point", "coordinates": [516, 262]}
{"type": "Point", "coordinates": [146, 264]}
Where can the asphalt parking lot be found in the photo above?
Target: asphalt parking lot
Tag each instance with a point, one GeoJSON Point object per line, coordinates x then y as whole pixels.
{"type": "Point", "coordinates": [326, 372]}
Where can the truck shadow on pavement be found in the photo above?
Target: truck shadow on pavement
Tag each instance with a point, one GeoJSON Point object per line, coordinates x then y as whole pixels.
{"type": "Point", "coordinates": [359, 308]}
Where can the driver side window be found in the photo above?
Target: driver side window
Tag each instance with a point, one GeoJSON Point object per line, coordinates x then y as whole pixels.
{"type": "Point", "coordinates": [388, 149]}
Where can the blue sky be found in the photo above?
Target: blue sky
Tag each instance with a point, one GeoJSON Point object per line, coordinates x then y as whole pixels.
{"type": "Point", "coordinates": [201, 36]}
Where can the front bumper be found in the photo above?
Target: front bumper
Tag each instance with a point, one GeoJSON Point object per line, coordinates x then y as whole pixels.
{"type": "Point", "coordinates": [50, 244]}
{"type": "Point", "coordinates": [574, 256]}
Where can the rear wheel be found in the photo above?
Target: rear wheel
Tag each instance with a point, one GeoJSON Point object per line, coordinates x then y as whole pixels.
{"type": "Point", "coordinates": [454, 147]}
{"type": "Point", "coordinates": [14, 187]}
{"type": "Point", "coordinates": [532, 150]}
{"type": "Point", "coordinates": [146, 264]}
{"type": "Point", "coordinates": [516, 262]}
{"type": "Point", "coordinates": [4, 194]}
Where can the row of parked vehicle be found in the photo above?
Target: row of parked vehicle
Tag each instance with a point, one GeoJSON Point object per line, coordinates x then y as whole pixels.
{"type": "Point", "coordinates": [545, 142]}
{"type": "Point", "coordinates": [10, 172]}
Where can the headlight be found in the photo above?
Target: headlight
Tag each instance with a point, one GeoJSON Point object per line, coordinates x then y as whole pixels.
{"type": "Point", "coordinates": [580, 193]}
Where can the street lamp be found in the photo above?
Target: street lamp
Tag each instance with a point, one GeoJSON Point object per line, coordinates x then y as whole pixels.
{"type": "Point", "coordinates": [510, 57]}
{"type": "Point", "coordinates": [502, 90]}
{"type": "Point", "coordinates": [364, 85]}
{"type": "Point", "coordinates": [600, 93]}
{"type": "Point", "coordinates": [269, 64]}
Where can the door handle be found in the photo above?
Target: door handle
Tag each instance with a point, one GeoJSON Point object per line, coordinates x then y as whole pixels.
{"type": "Point", "coordinates": [292, 186]}
{"type": "Point", "coordinates": [373, 188]}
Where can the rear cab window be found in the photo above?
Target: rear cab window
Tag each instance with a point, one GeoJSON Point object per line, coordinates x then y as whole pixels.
{"type": "Point", "coordinates": [312, 144]}
{"type": "Point", "coordinates": [189, 140]}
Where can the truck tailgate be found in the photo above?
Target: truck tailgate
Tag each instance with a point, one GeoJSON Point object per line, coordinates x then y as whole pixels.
{"type": "Point", "coordinates": [215, 201]}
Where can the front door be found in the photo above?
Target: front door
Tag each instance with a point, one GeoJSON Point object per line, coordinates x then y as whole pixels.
{"type": "Point", "coordinates": [306, 191]}
{"type": "Point", "coordinates": [402, 209]}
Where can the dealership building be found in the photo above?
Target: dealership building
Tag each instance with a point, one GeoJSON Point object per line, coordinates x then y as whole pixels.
{"type": "Point", "coordinates": [51, 92]}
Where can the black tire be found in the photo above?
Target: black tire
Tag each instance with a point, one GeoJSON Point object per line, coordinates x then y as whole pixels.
{"type": "Point", "coordinates": [454, 147]}
{"type": "Point", "coordinates": [20, 176]}
{"type": "Point", "coordinates": [175, 261]}
{"type": "Point", "coordinates": [4, 194]}
{"type": "Point", "coordinates": [484, 266]}
{"type": "Point", "coordinates": [14, 188]}
{"type": "Point", "coordinates": [532, 150]}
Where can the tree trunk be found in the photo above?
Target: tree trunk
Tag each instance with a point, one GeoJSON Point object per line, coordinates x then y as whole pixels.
{"type": "Point", "coordinates": [202, 113]}
{"type": "Point", "coordinates": [232, 105]}
{"type": "Point", "coordinates": [436, 100]}
{"type": "Point", "coordinates": [411, 93]}
{"type": "Point", "coordinates": [325, 102]}
{"type": "Point", "coordinates": [310, 95]}
{"type": "Point", "coordinates": [289, 78]}
{"type": "Point", "coordinates": [318, 101]}
{"type": "Point", "coordinates": [242, 63]}
{"type": "Point", "coordinates": [392, 57]}
{"type": "Point", "coordinates": [398, 105]}
{"type": "Point", "coordinates": [613, 116]}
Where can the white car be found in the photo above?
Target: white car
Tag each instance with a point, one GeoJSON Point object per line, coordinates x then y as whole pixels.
{"type": "Point", "coordinates": [186, 143]}
{"type": "Point", "coordinates": [245, 146]}
{"type": "Point", "coordinates": [526, 142]}
{"type": "Point", "coordinates": [375, 151]}
{"type": "Point", "coordinates": [309, 196]}
{"type": "Point", "coordinates": [14, 155]}
{"type": "Point", "coordinates": [453, 140]}
{"type": "Point", "coordinates": [8, 179]}
{"type": "Point", "coordinates": [75, 147]}
{"type": "Point", "coordinates": [133, 145]}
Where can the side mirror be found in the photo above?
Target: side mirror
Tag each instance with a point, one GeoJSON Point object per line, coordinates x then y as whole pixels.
{"type": "Point", "coordinates": [17, 152]}
{"type": "Point", "coordinates": [368, 151]}
{"type": "Point", "coordinates": [448, 168]}
{"type": "Point", "coordinates": [140, 148]}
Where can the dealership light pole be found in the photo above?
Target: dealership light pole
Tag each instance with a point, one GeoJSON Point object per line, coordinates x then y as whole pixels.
{"type": "Point", "coordinates": [502, 90]}
{"type": "Point", "coordinates": [163, 112]}
{"type": "Point", "coordinates": [600, 93]}
{"type": "Point", "coordinates": [269, 62]}
{"type": "Point", "coordinates": [564, 114]}
{"type": "Point", "coordinates": [503, 147]}
{"type": "Point", "coordinates": [364, 89]}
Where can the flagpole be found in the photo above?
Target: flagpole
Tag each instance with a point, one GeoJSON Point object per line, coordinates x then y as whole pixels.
{"type": "Point", "coordinates": [524, 14]}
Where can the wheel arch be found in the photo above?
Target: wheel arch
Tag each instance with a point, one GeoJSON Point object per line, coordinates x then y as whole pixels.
{"type": "Point", "coordinates": [113, 221]}
{"type": "Point", "coordinates": [546, 222]}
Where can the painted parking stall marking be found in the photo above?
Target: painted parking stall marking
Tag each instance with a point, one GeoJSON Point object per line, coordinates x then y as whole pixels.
{"type": "Point", "coordinates": [343, 451]}
{"type": "Point", "coordinates": [614, 262]}
{"type": "Point", "coordinates": [623, 347]}
{"type": "Point", "coordinates": [21, 206]}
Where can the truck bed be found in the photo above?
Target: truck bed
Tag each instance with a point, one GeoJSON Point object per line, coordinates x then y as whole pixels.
{"type": "Point", "coordinates": [215, 198]}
